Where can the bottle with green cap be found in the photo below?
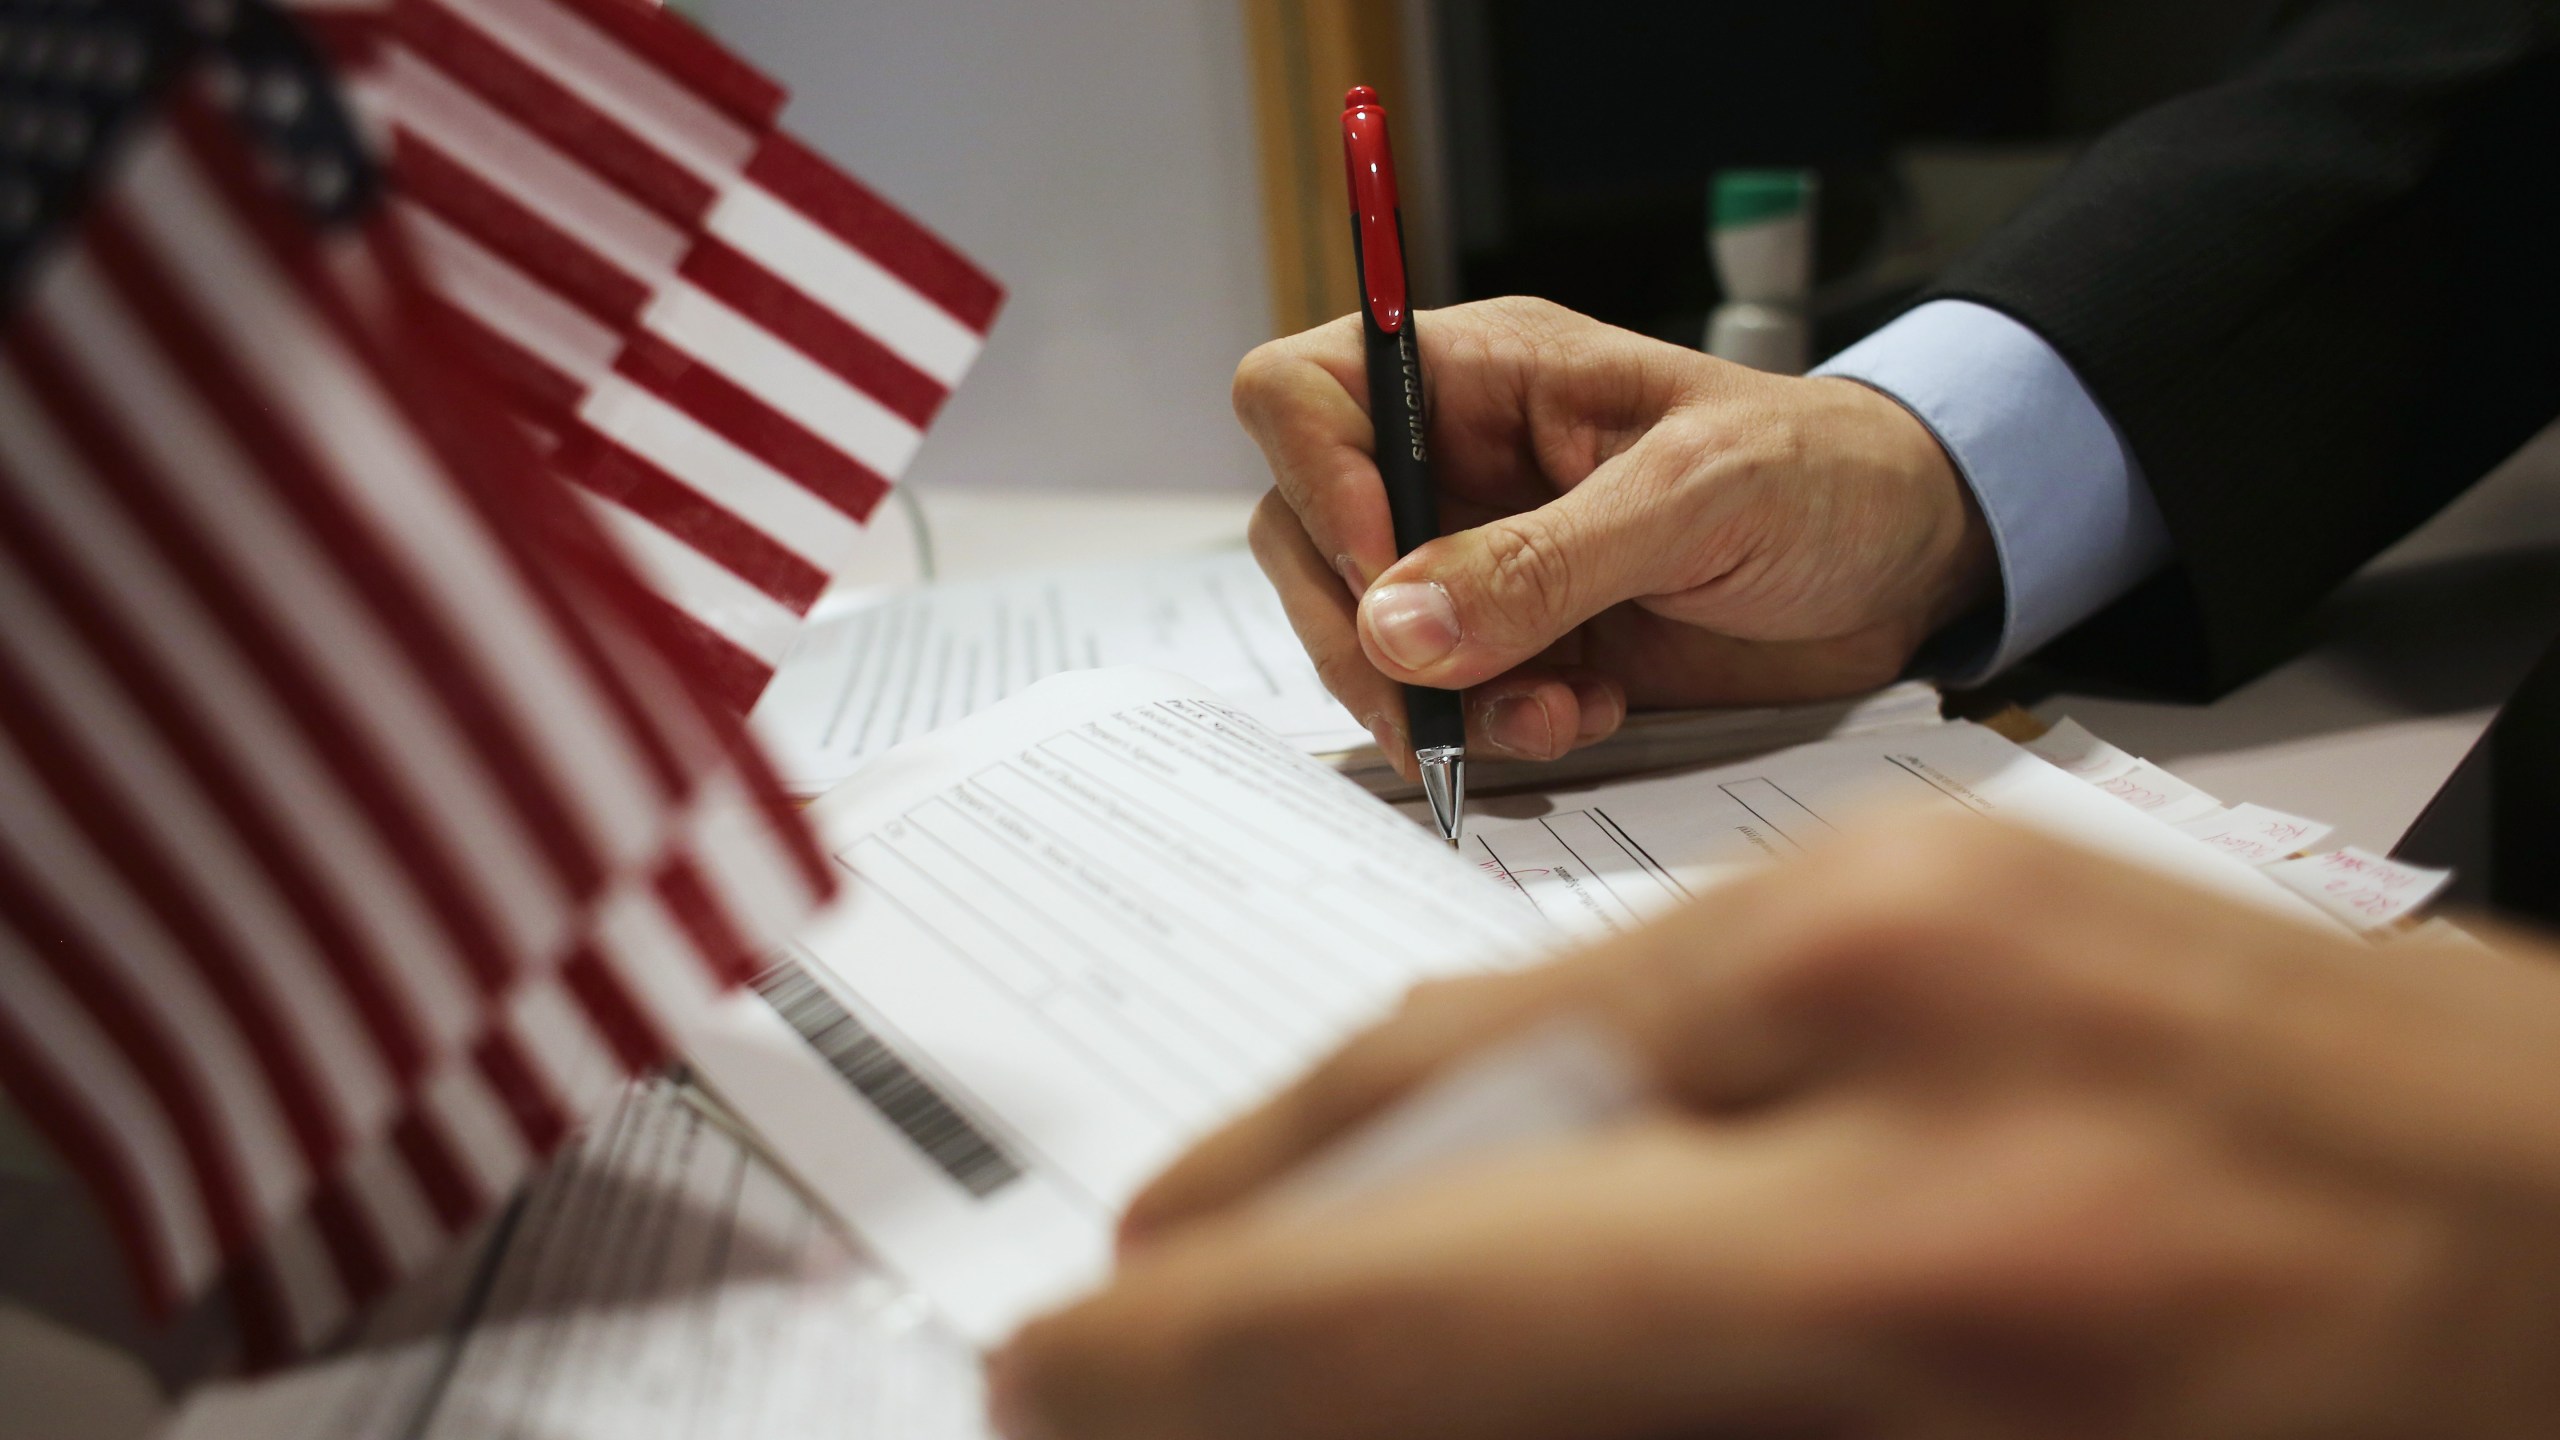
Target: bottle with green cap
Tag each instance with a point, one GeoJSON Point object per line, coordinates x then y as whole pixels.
{"type": "Point", "coordinates": [1760, 235]}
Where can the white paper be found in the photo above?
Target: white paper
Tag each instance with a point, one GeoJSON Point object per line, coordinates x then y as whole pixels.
{"type": "Point", "coordinates": [2257, 834]}
{"type": "Point", "coordinates": [1085, 927]}
{"type": "Point", "coordinates": [2080, 754]}
{"type": "Point", "coordinates": [872, 672]}
{"type": "Point", "coordinates": [2363, 889]}
{"type": "Point", "coordinates": [657, 1282]}
{"type": "Point", "coordinates": [2157, 793]}
{"type": "Point", "coordinates": [1598, 859]}
{"type": "Point", "coordinates": [1090, 925]}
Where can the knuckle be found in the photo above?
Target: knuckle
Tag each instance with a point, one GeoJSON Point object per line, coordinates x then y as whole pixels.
{"type": "Point", "coordinates": [1261, 378]}
{"type": "Point", "coordinates": [1883, 921]}
{"type": "Point", "coordinates": [1347, 1085]}
{"type": "Point", "coordinates": [1270, 529]}
{"type": "Point", "coordinates": [1527, 573]}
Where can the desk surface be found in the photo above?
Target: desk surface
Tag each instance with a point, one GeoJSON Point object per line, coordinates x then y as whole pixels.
{"type": "Point", "coordinates": [2411, 659]}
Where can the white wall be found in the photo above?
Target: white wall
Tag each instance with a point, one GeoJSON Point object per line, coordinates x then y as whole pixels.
{"type": "Point", "coordinates": [1098, 156]}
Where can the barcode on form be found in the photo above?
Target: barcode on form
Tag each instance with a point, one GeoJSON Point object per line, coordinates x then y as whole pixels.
{"type": "Point", "coordinates": [930, 1122]}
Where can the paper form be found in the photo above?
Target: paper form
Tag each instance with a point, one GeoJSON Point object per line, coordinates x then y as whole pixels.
{"type": "Point", "coordinates": [869, 673]}
{"type": "Point", "coordinates": [1078, 931]}
{"type": "Point", "coordinates": [2257, 834]}
{"type": "Point", "coordinates": [659, 1282]}
{"type": "Point", "coordinates": [1597, 859]}
{"type": "Point", "coordinates": [2363, 890]}
{"type": "Point", "coordinates": [1083, 928]}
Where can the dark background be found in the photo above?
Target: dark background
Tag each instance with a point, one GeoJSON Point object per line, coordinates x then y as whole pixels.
{"type": "Point", "coordinates": [1582, 137]}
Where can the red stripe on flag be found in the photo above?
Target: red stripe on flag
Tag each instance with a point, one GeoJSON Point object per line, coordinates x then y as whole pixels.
{"type": "Point", "coordinates": [732, 677]}
{"type": "Point", "coordinates": [716, 937]}
{"type": "Point", "coordinates": [346, 1231]}
{"type": "Point", "coordinates": [549, 541]}
{"type": "Point", "coordinates": [551, 110]}
{"type": "Point", "coordinates": [815, 331]}
{"type": "Point", "coordinates": [783, 819]}
{"type": "Point", "coordinates": [862, 219]}
{"type": "Point", "coordinates": [450, 1190]}
{"type": "Point", "coordinates": [378, 572]}
{"type": "Point", "coordinates": [360, 969]}
{"type": "Point", "coordinates": [618, 475]}
{"type": "Point", "coordinates": [538, 1113]}
{"type": "Point", "coordinates": [165, 1062]}
{"type": "Point", "coordinates": [325, 725]}
{"type": "Point", "coordinates": [544, 395]}
{"type": "Point", "coordinates": [457, 195]}
{"type": "Point", "coordinates": [600, 992]}
{"type": "Point", "coordinates": [425, 382]}
{"type": "Point", "coordinates": [259, 1313]}
{"type": "Point", "coordinates": [696, 61]}
{"type": "Point", "coordinates": [140, 858]}
{"type": "Point", "coordinates": [79, 1136]}
{"type": "Point", "coordinates": [752, 425]}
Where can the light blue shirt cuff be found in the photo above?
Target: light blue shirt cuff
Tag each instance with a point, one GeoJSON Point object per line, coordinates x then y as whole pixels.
{"type": "Point", "coordinates": [2071, 517]}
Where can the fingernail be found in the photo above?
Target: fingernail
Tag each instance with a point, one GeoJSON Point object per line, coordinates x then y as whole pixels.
{"type": "Point", "coordinates": [1601, 710]}
{"type": "Point", "coordinates": [1519, 724]}
{"type": "Point", "coordinates": [1413, 622]}
{"type": "Point", "coordinates": [1349, 570]}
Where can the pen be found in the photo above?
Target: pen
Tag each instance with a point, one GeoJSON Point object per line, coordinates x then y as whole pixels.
{"type": "Point", "coordinates": [1434, 717]}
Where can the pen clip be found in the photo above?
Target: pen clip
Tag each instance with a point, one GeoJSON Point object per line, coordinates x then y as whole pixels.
{"type": "Point", "coordinates": [1371, 164]}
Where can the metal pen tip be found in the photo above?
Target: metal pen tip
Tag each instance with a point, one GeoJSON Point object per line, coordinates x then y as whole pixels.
{"type": "Point", "coordinates": [1444, 783]}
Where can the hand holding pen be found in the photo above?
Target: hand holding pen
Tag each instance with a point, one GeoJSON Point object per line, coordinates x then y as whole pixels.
{"type": "Point", "coordinates": [1631, 523]}
{"type": "Point", "coordinates": [1435, 724]}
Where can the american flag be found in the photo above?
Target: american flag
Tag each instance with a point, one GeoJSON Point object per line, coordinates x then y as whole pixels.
{"type": "Point", "coordinates": [728, 345]}
{"type": "Point", "coordinates": [360, 823]}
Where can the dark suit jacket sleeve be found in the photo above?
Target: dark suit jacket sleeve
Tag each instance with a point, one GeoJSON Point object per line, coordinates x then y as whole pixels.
{"type": "Point", "coordinates": [2319, 299]}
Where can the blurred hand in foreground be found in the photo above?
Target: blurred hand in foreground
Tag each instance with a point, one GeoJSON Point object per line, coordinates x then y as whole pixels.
{"type": "Point", "coordinates": [1629, 523]}
{"type": "Point", "coordinates": [1962, 1134]}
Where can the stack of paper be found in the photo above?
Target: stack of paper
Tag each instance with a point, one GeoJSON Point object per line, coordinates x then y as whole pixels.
{"type": "Point", "coordinates": [871, 671]}
{"type": "Point", "coordinates": [1087, 925]}
{"type": "Point", "coordinates": [2358, 888]}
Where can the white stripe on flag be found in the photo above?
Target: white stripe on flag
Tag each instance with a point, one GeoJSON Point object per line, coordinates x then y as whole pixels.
{"type": "Point", "coordinates": [563, 1045]}
{"type": "Point", "coordinates": [307, 600]}
{"type": "Point", "coordinates": [507, 300]}
{"type": "Point", "coordinates": [485, 1139]}
{"type": "Point", "coordinates": [667, 977]}
{"type": "Point", "coordinates": [733, 609]}
{"type": "Point", "coordinates": [118, 927]}
{"type": "Point", "coordinates": [315, 1303]}
{"type": "Point", "coordinates": [599, 70]}
{"type": "Point", "coordinates": [381, 467]}
{"type": "Point", "coordinates": [527, 168]}
{"type": "Point", "coordinates": [240, 712]}
{"type": "Point", "coordinates": [783, 377]}
{"type": "Point", "coordinates": [94, 1068]}
{"type": "Point", "coordinates": [844, 280]}
{"type": "Point", "coordinates": [125, 751]}
{"type": "Point", "coordinates": [779, 509]}
{"type": "Point", "coordinates": [740, 857]}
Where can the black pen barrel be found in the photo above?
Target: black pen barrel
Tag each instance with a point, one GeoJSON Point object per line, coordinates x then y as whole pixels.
{"type": "Point", "coordinates": [1436, 718]}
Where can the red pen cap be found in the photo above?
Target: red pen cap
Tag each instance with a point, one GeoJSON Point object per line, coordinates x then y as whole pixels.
{"type": "Point", "coordinates": [1371, 163]}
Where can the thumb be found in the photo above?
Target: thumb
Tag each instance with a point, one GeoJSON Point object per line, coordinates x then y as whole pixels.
{"type": "Point", "coordinates": [1474, 604]}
